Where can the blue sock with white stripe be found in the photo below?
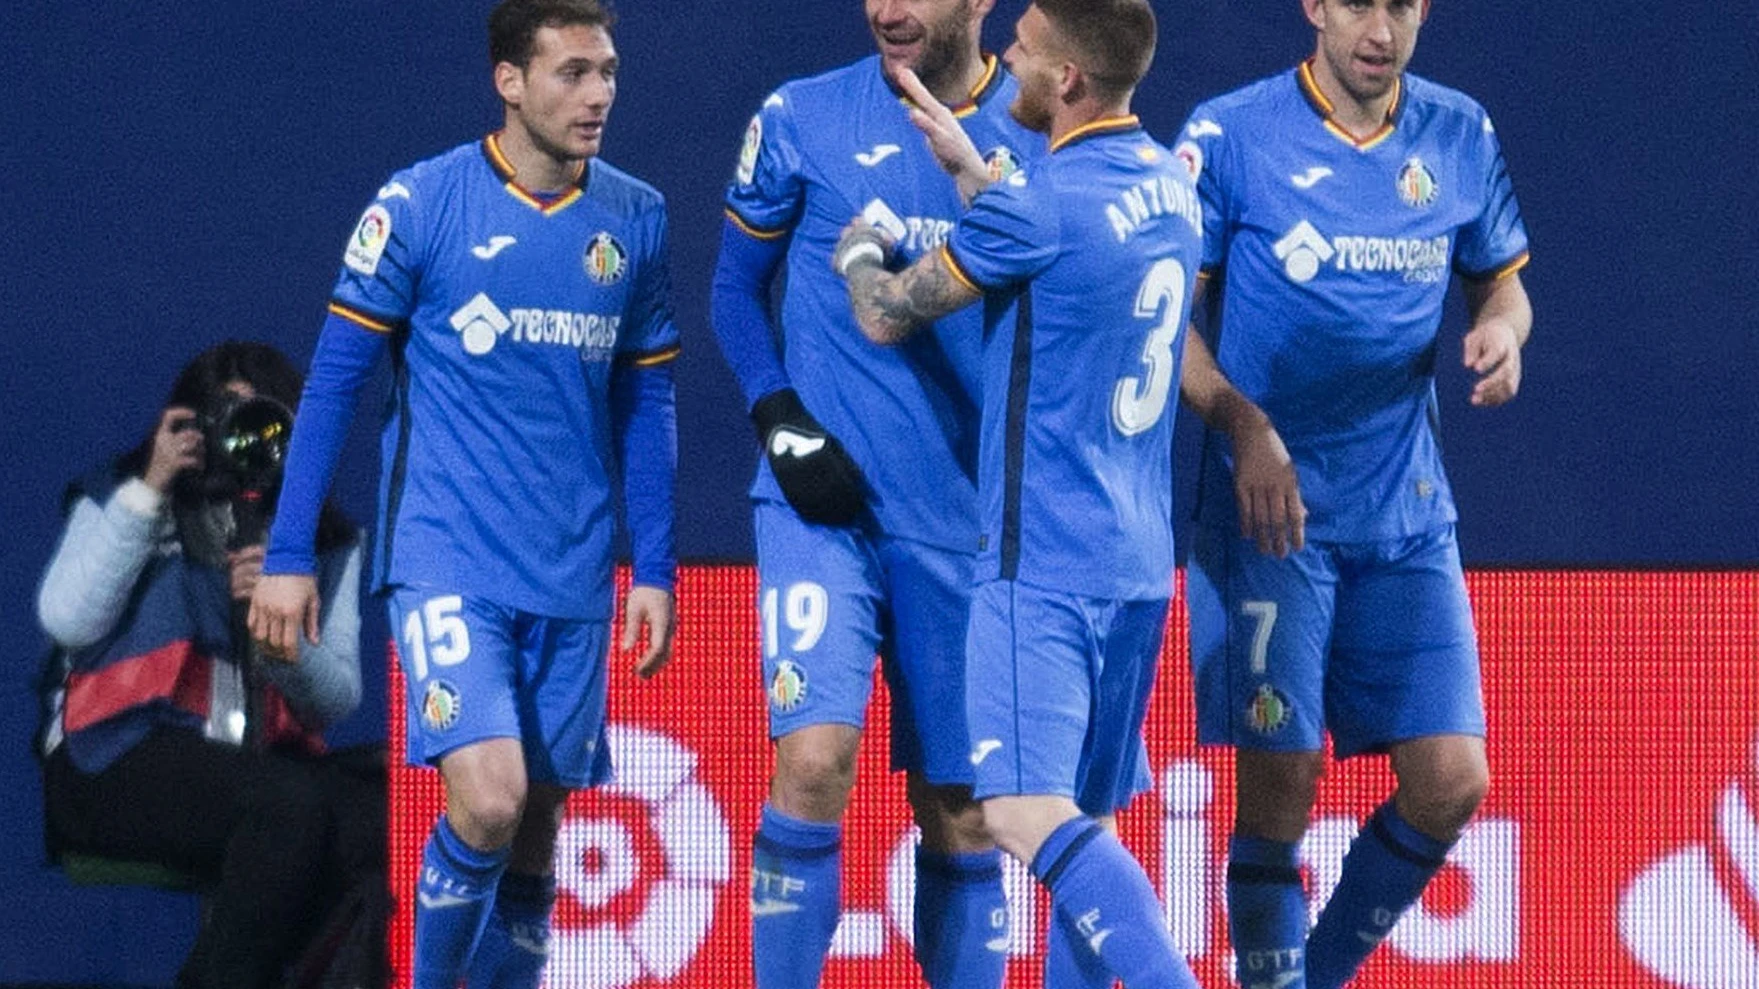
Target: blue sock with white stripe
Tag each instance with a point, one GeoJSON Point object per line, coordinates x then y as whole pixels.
{"type": "Point", "coordinates": [453, 897]}
{"type": "Point", "coordinates": [961, 919]}
{"type": "Point", "coordinates": [1388, 865]}
{"type": "Point", "coordinates": [796, 899]}
{"type": "Point", "coordinates": [1099, 888]}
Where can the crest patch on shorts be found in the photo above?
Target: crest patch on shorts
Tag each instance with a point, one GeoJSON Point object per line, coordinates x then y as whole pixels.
{"type": "Point", "coordinates": [1269, 710]}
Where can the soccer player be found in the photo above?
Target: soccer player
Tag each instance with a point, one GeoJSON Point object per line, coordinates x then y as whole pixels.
{"type": "Point", "coordinates": [864, 501]}
{"type": "Point", "coordinates": [1337, 199]}
{"type": "Point", "coordinates": [520, 283]}
{"type": "Point", "coordinates": [1086, 258]}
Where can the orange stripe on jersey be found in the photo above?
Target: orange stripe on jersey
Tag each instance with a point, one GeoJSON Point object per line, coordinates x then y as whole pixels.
{"type": "Point", "coordinates": [1101, 126]}
{"type": "Point", "coordinates": [991, 67]}
{"type": "Point", "coordinates": [656, 357]}
{"type": "Point", "coordinates": [548, 209]}
{"type": "Point", "coordinates": [751, 231]}
{"type": "Point", "coordinates": [953, 266]}
{"type": "Point", "coordinates": [1513, 266]}
{"type": "Point", "coordinates": [359, 318]}
{"type": "Point", "coordinates": [1328, 112]}
{"type": "Point", "coordinates": [504, 168]}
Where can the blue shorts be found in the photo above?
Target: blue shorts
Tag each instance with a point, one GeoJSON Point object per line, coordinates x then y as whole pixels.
{"type": "Point", "coordinates": [475, 670]}
{"type": "Point", "coordinates": [830, 599]}
{"type": "Point", "coordinates": [1058, 688]}
{"type": "Point", "coordinates": [1371, 641]}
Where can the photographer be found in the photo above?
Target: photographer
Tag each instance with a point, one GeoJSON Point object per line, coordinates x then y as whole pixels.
{"type": "Point", "coordinates": [168, 739]}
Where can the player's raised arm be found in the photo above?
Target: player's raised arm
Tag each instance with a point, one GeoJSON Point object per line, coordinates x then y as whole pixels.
{"type": "Point", "coordinates": [952, 147]}
{"type": "Point", "coordinates": [1502, 319]}
{"type": "Point", "coordinates": [889, 307]}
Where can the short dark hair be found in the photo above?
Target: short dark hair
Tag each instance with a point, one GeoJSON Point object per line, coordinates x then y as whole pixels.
{"type": "Point", "coordinates": [513, 24]}
{"type": "Point", "coordinates": [1113, 39]}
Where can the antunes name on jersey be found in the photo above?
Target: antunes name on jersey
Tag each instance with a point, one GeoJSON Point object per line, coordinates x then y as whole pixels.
{"type": "Point", "coordinates": [1157, 196]}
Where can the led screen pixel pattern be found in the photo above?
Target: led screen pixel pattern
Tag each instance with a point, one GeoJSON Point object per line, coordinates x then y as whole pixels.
{"type": "Point", "coordinates": [1619, 845]}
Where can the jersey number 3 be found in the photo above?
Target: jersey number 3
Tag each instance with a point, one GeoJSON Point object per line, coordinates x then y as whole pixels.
{"type": "Point", "coordinates": [1138, 401]}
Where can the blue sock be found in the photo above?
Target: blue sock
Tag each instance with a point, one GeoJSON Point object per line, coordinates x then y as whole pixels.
{"type": "Point", "coordinates": [1385, 871]}
{"type": "Point", "coordinates": [1099, 889]}
{"type": "Point", "coordinates": [796, 899]}
{"type": "Point", "coordinates": [1267, 913]}
{"type": "Point", "coordinates": [961, 919]}
{"type": "Point", "coordinates": [516, 943]}
{"type": "Point", "coordinates": [1068, 963]}
{"type": "Point", "coordinates": [453, 896]}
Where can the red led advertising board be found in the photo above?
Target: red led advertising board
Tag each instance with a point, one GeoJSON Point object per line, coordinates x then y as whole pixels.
{"type": "Point", "coordinates": [1619, 845]}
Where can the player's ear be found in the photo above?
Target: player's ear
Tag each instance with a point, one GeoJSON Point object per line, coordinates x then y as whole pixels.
{"type": "Point", "coordinates": [510, 83]}
{"type": "Point", "coordinates": [1315, 11]}
{"type": "Point", "coordinates": [1072, 85]}
{"type": "Point", "coordinates": [1423, 15]}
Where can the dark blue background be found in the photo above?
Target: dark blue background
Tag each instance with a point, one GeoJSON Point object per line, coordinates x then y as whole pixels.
{"type": "Point", "coordinates": [181, 173]}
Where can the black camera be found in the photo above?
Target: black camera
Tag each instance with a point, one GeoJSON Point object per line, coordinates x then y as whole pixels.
{"type": "Point", "coordinates": [245, 443]}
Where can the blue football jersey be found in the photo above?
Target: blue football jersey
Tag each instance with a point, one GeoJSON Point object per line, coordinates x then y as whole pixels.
{"type": "Point", "coordinates": [1332, 257]}
{"type": "Point", "coordinates": [818, 153]}
{"type": "Point", "coordinates": [1089, 256]}
{"type": "Point", "coordinates": [508, 311]}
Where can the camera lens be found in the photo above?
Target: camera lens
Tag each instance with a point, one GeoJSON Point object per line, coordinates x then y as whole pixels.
{"type": "Point", "coordinates": [253, 437]}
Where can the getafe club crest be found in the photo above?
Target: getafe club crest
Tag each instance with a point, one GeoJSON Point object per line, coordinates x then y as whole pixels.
{"type": "Point", "coordinates": [788, 686]}
{"type": "Point", "coordinates": [605, 259]}
{"type": "Point", "coordinates": [439, 706]}
{"type": "Point", "coordinates": [1002, 163]}
{"type": "Point", "coordinates": [1417, 184]}
{"type": "Point", "coordinates": [1269, 710]}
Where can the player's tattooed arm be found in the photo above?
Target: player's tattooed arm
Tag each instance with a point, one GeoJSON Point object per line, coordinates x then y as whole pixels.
{"type": "Point", "coordinates": [890, 306]}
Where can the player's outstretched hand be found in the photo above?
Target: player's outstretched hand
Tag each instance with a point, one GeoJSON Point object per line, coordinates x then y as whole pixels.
{"type": "Point", "coordinates": [815, 473]}
{"type": "Point", "coordinates": [1493, 351]}
{"type": "Point", "coordinates": [649, 608]}
{"type": "Point", "coordinates": [952, 147]}
{"type": "Point", "coordinates": [280, 606]}
{"type": "Point", "coordinates": [1271, 510]}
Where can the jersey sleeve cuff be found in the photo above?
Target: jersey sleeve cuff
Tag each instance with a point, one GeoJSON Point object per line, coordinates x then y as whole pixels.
{"type": "Point", "coordinates": [367, 321]}
{"type": "Point", "coordinates": [958, 270]}
{"type": "Point", "coordinates": [651, 358]}
{"type": "Point", "coordinates": [1501, 271]}
{"type": "Point", "coordinates": [754, 230]}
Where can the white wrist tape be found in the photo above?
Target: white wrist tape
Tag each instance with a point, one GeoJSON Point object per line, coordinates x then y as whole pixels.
{"type": "Point", "coordinates": [867, 249]}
